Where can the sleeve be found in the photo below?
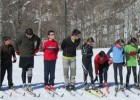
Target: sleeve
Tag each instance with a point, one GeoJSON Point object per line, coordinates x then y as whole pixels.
{"type": "Point", "coordinates": [63, 45]}
{"type": "Point", "coordinates": [38, 42]}
{"type": "Point", "coordinates": [107, 58]}
{"type": "Point", "coordinates": [96, 65]}
{"type": "Point", "coordinates": [84, 51]}
{"type": "Point", "coordinates": [44, 45]}
{"type": "Point", "coordinates": [110, 50]}
{"type": "Point", "coordinates": [13, 52]}
{"type": "Point", "coordinates": [17, 43]}
{"type": "Point", "coordinates": [78, 42]}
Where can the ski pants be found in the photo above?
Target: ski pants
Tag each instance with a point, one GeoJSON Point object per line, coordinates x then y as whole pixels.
{"type": "Point", "coordinates": [118, 66]}
{"type": "Point", "coordinates": [87, 69]}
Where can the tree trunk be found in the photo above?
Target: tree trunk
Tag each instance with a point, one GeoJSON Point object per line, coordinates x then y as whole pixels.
{"type": "Point", "coordinates": [0, 20]}
{"type": "Point", "coordinates": [40, 19]}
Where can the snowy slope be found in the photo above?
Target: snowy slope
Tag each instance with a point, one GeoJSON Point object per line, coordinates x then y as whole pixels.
{"type": "Point", "coordinates": [38, 81]}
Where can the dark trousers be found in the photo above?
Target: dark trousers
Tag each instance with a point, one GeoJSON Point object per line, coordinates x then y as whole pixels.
{"type": "Point", "coordinates": [49, 72]}
{"type": "Point", "coordinates": [27, 71]}
{"type": "Point", "coordinates": [87, 69]}
{"type": "Point", "coordinates": [118, 66]}
{"type": "Point", "coordinates": [8, 68]}
{"type": "Point", "coordinates": [134, 69]}
{"type": "Point", "coordinates": [139, 75]}
{"type": "Point", "coordinates": [103, 69]}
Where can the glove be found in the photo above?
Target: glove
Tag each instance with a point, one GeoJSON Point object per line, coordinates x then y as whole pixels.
{"type": "Point", "coordinates": [132, 53]}
{"type": "Point", "coordinates": [109, 62]}
{"type": "Point", "coordinates": [14, 59]}
{"type": "Point", "coordinates": [35, 51]}
{"type": "Point", "coordinates": [17, 52]}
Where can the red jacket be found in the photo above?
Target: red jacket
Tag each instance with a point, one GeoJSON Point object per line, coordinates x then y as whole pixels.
{"type": "Point", "coordinates": [98, 61]}
{"type": "Point", "coordinates": [50, 49]}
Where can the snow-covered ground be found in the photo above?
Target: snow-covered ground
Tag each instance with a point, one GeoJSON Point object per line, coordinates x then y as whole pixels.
{"type": "Point", "coordinates": [38, 75]}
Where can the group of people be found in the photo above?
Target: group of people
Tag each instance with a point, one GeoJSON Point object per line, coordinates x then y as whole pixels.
{"type": "Point", "coordinates": [27, 45]}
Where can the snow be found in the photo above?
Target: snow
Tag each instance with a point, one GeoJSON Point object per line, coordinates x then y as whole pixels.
{"type": "Point", "coordinates": [38, 75]}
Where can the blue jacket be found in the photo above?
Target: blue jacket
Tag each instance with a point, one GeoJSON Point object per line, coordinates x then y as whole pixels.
{"type": "Point", "coordinates": [118, 54]}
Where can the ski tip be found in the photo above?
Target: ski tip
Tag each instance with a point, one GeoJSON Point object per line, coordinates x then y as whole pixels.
{"type": "Point", "coordinates": [10, 94]}
{"type": "Point", "coordinates": [24, 94]}
{"type": "Point", "coordinates": [39, 95]}
{"type": "Point", "coordinates": [2, 97]}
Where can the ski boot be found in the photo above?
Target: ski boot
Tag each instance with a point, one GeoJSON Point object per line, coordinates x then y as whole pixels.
{"type": "Point", "coordinates": [93, 86]}
{"type": "Point", "coordinates": [47, 87]}
{"type": "Point", "coordinates": [86, 87]}
{"type": "Point", "coordinates": [29, 87]}
{"type": "Point", "coordinates": [24, 87]}
{"type": "Point", "coordinates": [121, 87]}
{"type": "Point", "coordinates": [51, 88]}
{"type": "Point", "coordinates": [116, 88]}
{"type": "Point", "coordinates": [73, 87]}
{"type": "Point", "coordinates": [68, 87]}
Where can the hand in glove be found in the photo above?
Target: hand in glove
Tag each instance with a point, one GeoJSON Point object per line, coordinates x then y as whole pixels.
{"type": "Point", "coordinates": [14, 59]}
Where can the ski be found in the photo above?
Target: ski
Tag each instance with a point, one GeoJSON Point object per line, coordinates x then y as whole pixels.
{"type": "Point", "coordinates": [133, 92]}
{"type": "Point", "coordinates": [101, 92]}
{"type": "Point", "coordinates": [93, 94]}
{"type": "Point", "coordinates": [50, 92]}
{"type": "Point", "coordinates": [55, 93]}
{"type": "Point", "coordinates": [71, 92]}
{"type": "Point", "coordinates": [31, 93]}
{"type": "Point", "coordinates": [79, 93]}
{"type": "Point", "coordinates": [125, 93]}
{"type": "Point", "coordinates": [15, 91]}
{"type": "Point", "coordinates": [107, 89]}
{"type": "Point", "coordinates": [9, 95]}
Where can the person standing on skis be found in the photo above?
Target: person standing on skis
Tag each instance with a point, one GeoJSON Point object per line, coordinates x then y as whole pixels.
{"type": "Point", "coordinates": [26, 47]}
{"type": "Point", "coordinates": [102, 63]}
{"type": "Point", "coordinates": [7, 52]}
{"type": "Point", "coordinates": [118, 62]}
{"type": "Point", "coordinates": [50, 49]}
{"type": "Point", "coordinates": [87, 54]}
{"type": "Point", "coordinates": [131, 54]}
{"type": "Point", "coordinates": [69, 46]}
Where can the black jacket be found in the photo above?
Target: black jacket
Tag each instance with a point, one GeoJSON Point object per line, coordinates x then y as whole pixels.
{"type": "Point", "coordinates": [69, 47]}
{"type": "Point", "coordinates": [87, 51]}
{"type": "Point", "coordinates": [7, 51]}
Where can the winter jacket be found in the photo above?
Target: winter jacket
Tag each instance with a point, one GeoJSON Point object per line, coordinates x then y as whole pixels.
{"type": "Point", "coordinates": [131, 55]}
{"type": "Point", "coordinates": [87, 51]}
{"type": "Point", "coordinates": [7, 51]}
{"type": "Point", "coordinates": [26, 46]}
{"type": "Point", "coordinates": [98, 61]}
{"type": "Point", "coordinates": [50, 49]}
{"type": "Point", "coordinates": [118, 54]}
{"type": "Point", "coordinates": [69, 47]}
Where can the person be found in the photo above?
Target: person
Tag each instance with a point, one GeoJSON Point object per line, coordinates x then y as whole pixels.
{"type": "Point", "coordinates": [118, 62]}
{"type": "Point", "coordinates": [102, 63]}
{"type": "Point", "coordinates": [87, 54]}
{"type": "Point", "coordinates": [131, 53]}
{"type": "Point", "coordinates": [26, 47]}
{"type": "Point", "coordinates": [7, 52]}
{"type": "Point", "coordinates": [68, 46]}
{"type": "Point", "coordinates": [50, 49]}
